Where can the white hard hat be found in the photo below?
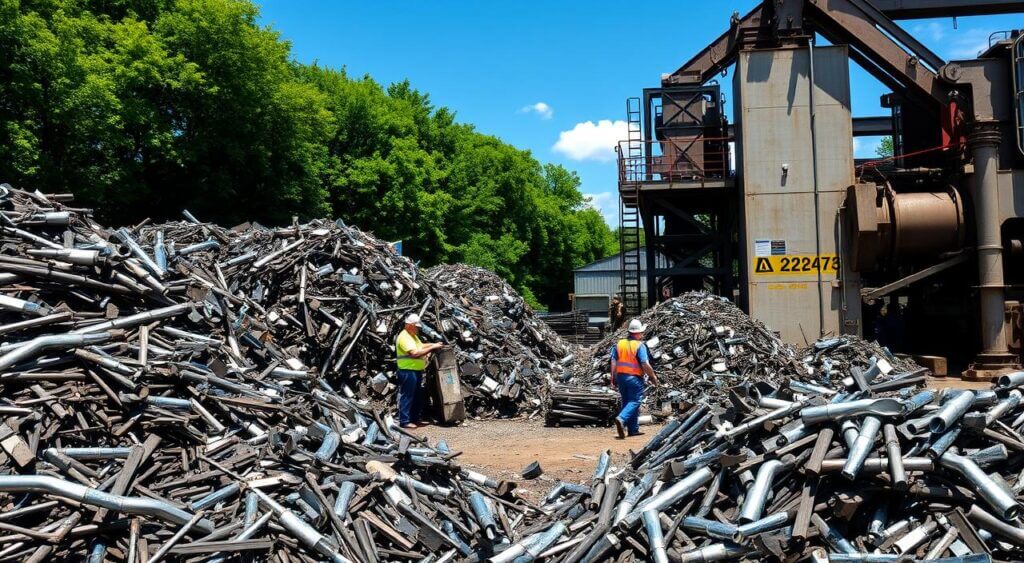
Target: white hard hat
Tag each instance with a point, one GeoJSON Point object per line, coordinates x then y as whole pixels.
{"type": "Point", "coordinates": [413, 319]}
{"type": "Point", "coordinates": [635, 326]}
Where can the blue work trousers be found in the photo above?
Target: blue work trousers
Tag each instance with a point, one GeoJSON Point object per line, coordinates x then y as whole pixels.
{"type": "Point", "coordinates": [410, 396]}
{"type": "Point", "coordinates": [631, 388]}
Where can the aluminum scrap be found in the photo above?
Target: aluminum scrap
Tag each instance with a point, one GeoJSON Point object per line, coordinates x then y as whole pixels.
{"type": "Point", "coordinates": [701, 346]}
{"type": "Point", "coordinates": [504, 348]}
{"type": "Point", "coordinates": [832, 357]}
{"type": "Point", "coordinates": [841, 475]}
{"type": "Point", "coordinates": [187, 392]}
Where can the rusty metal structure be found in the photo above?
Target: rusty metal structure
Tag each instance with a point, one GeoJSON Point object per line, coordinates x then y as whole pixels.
{"type": "Point", "coordinates": [922, 250]}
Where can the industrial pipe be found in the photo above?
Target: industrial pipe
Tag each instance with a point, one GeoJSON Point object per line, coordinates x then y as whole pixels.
{"type": "Point", "coordinates": [86, 495]}
{"type": "Point", "coordinates": [835, 411]}
{"type": "Point", "coordinates": [984, 143]}
{"type": "Point", "coordinates": [766, 524]}
{"type": "Point", "coordinates": [670, 496]}
{"type": "Point", "coordinates": [1005, 505]}
{"type": "Point", "coordinates": [38, 345]}
{"type": "Point", "coordinates": [714, 552]}
{"type": "Point", "coordinates": [862, 446]}
{"type": "Point", "coordinates": [482, 513]}
{"type": "Point", "coordinates": [757, 494]}
{"type": "Point", "coordinates": [951, 411]}
{"type": "Point", "coordinates": [892, 448]}
{"type": "Point", "coordinates": [709, 528]}
{"type": "Point", "coordinates": [300, 530]}
{"type": "Point", "coordinates": [655, 537]}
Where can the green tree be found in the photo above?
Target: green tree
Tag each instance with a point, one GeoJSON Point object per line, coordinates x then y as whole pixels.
{"type": "Point", "coordinates": [144, 107]}
{"type": "Point", "coordinates": [885, 148]}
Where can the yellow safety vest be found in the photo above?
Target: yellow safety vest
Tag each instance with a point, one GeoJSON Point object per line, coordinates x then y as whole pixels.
{"type": "Point", "coordinates": [405, 361]}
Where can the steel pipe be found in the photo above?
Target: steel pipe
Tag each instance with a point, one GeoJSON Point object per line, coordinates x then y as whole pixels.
{"type": "Point", "coordinates": [757, 494]}
{"type": "Point", "coordinates": [951, 411]}
{"type": "Point", "coordinates": [670, 496]}
{"type": "Point", "coordinates": [998, 498]}
{"type": "Point", "coordinates": [36, 346]}
{"type": "Point", "coordinates": [655, 537]}
{"type": "Point", "coordinates": [862, 446]}
{"type": "Point", "coordinates": [79, 493]}
{"type": "Point", "coordinates": [836, 411]}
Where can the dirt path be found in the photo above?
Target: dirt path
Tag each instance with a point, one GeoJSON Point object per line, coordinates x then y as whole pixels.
{"type": "Point", "coordinates": [502, 448]}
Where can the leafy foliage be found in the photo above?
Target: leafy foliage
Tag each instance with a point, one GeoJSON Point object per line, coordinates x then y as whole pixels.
{"type": "Point", "coordinates": [145, 107]}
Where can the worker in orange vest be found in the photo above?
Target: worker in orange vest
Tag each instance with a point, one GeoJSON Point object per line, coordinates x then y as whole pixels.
{"type": "Point", "coordinates": [630, 362]}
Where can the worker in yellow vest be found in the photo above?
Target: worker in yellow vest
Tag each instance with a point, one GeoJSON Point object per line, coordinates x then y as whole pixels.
{"type": "Point", "coordinates": [412, 357]}
{"type": "Point", "coordinates": [630, 362]}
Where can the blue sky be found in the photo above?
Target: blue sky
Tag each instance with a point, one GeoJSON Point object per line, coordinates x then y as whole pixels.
{"type": "Point", "coordinates": [551, 77]}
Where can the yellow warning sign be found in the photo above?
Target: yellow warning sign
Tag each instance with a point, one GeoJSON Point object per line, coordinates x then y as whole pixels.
{"type": "Point", "coordinates": [795, 264]}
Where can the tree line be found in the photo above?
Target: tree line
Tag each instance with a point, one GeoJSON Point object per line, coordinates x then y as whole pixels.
{"type": "Point", "coordinates": [142, 108]}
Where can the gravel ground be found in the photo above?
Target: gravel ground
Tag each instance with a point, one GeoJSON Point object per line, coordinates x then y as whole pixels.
{"type": "Point", "coordinates": [502, 448]}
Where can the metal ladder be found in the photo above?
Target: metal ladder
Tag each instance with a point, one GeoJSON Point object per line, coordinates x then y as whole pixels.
{"type": "Point", "coordinates": [629, 210]}
{"type": "Point", "coordinates": [1018, 88]}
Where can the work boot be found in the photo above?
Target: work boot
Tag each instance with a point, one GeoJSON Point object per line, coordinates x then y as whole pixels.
{"type": "Point", "coordinates": [637, 433]}
{"type": "Point", "coordinates": [410, 426]}
{"type": "Point", "coordinates": [620, 428]}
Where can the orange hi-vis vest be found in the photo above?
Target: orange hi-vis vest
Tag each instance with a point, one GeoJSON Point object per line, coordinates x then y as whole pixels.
{"type": "Point", "coordinates": [626, 361]}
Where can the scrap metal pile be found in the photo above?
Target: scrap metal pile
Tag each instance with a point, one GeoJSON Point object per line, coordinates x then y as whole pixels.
{"type": "Point", "coordinates": [161, 399]}
{"type": "Point", "coordinates": [504, 348]}
{"type": "Point", "coordinates": [811, 474]}
{"type": "Point", "coordinates": [320, 297]}
{"type": "Point", "coordinates": [702, 346]}
{"type": "Point", "coordinates": [835, 357]}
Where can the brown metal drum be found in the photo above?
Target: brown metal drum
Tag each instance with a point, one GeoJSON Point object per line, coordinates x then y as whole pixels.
{"type": "Point", "coordinates": [926, 224]}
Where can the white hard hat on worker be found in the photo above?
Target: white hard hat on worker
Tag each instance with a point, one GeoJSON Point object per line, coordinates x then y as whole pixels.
{"type": "Point", "coordinates": [636, 327]}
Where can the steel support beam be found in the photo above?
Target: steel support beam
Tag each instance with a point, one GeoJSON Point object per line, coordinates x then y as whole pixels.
{"type": "Point", "coordinates": [914, 9]}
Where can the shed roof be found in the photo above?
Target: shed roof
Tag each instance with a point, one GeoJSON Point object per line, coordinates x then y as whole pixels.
{"type": "Point", "coordinates": [613, 263]}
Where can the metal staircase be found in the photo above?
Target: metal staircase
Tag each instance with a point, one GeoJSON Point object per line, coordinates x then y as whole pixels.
{"type": "Point", "coordinates": [630, 225]}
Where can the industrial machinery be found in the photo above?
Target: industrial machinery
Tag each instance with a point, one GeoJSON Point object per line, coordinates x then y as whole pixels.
{"type": "Point", "coordinates": [923, 251]}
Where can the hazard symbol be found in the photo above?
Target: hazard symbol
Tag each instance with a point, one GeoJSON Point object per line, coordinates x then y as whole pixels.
{"type": "Point", "coordinates": [763, 266]}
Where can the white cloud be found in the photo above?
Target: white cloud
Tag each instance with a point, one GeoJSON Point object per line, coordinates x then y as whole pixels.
{"type": "Point", "coordinates": [540, 108]}
{"type": "Point", "coordinates": [607, 203]}
{"type": "Point", "coordinates": [866, 147]}
{"type": "Point", "coordinates": [592, 141]}
{"type": "Point", "coordinates": [930, 31]}
{"type": "Point", "coordinates": [968, 43]}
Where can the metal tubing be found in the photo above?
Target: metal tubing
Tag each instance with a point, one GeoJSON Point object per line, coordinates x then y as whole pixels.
{"type": "Point", "coordinates": [951, 411]}
{"type": "Point", "coordinates": [836, 411]}
{"type": "Point", "coordinates": [43, 343]}
{"type": "Point", "coordinates": [135, 249]}
{"type": "Point", "coordinates": [990, 522]}
{"type": "Point", "coordinates": [79, 493]}
{"type": "Point", "coordinates": [655, 537]}
{"type": "Point", "coordinates": [714, 552]}
{"type": "Point", "coordinates": [300, 530]}
{"type": "Point", "coordinates": [757, 494]}
{"type": "Point", "coordinates": [1014, 379]}
{"type": "Point", "coordinates": [345, 492]}
{"type": "Point", "coordinates": [634, 494]}
{"type": "Point", "coordinates": [482, 513]}
{"type": "Point", "coordinates": [766, 524]}
{"type": "Point", "coordinates": [709, 528]}
{"type": "Point", "coordinates": [1003, 406]}
{"type": "Point", "coordinates": [879, 464]}
{"type": "Point", "coordinates": [862, 446]}
{"type": "Point", "coordinates": [892, 448]}
{"type": "Point", "coordinates": [137, 319]}
{"type": "Point", "coordinates": [1005, 505]}
{"type": "Point", "coordinates": [671, 495]}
